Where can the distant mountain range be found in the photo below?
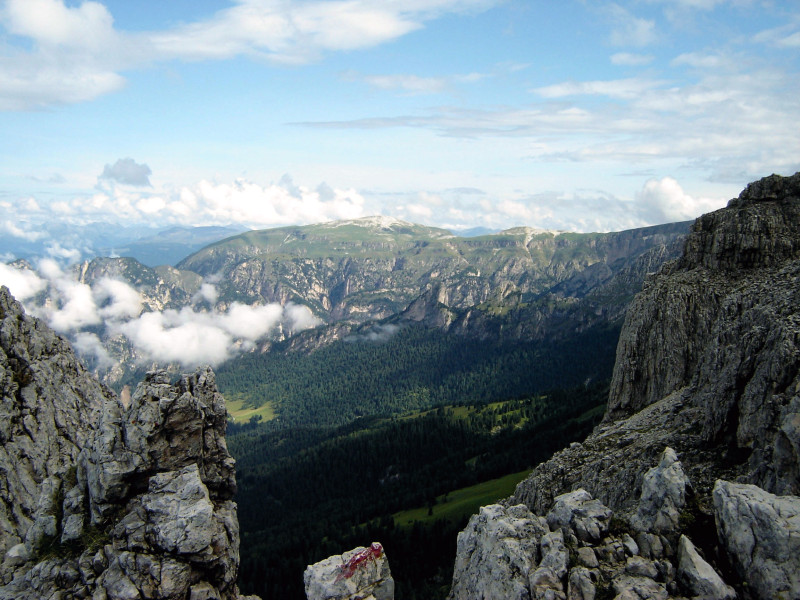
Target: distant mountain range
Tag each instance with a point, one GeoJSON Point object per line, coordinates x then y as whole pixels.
{"type": "Point", "coordinates": [149, 245]}
{"type": "Point", "coordinates": [359, 277]}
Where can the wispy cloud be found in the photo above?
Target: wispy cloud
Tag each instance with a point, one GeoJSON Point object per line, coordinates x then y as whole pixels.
{"type": "Point", "coordinates": [628, 59]}
{"type": "Point", "coordinates": [628, 29]}
{"type": "Point", "coordinates": [74, 53]}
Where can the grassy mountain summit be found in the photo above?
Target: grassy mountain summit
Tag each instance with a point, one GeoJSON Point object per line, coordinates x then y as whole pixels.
{"type": "Point", "coordinates": [372, 268]}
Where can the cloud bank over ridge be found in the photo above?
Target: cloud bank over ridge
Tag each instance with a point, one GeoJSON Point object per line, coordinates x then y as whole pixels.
{"type": "Point", "coordinates": [190, 336]}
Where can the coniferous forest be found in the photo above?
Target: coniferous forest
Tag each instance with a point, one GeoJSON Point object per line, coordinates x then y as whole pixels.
{"type": "Point", "coordinates": [367, 431]}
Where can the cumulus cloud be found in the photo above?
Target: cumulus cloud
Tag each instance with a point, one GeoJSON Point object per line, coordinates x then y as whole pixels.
{"type": "Point", "coordinates": [664, 200]}
{"type": "Point", "coordinates": [22, 283]}
{"type": "Point", "coordinates": [88, 345]}
{"type": "Point", "coordinates": [22, 232]}
{"type": "Point", "coordinates": [243, 202]}
{"type": "Point", "coordinates": [191, 337]}
{"type": "Point", "coordinates": [116, 299]}
{"type": "Point", "coordinates": [170, 336]}
{"type": "Point", "coordinates": [187, 336]}
{"type": "Point", "coordinates": [127, 171]}
{"type": "Point", "coordinates": [207, 293]}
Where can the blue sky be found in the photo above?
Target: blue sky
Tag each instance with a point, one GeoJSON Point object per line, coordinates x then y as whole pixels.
{"type": "Point", "coordinates": [576, 115]}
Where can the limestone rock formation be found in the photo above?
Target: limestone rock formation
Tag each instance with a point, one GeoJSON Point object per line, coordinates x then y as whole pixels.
{"type": "Point", "coordinates": [359, 574]}
{"type": "Point", "coordinates": [48, 408]}
{"type": "Point", "coordinates": [761, 532]}
{"type": "Point", "coordinates": [496, 552]}
{"type": "Point", "coordinates": [708, 363]}
{"type": "Point", "coordinates": [700, 578]}
{"type": "Point", "coordinates": [110, 502]}
{"type": "Point", "coordinates": [663, 496]}
{"type": "Point", "coordinates": [708, 370]}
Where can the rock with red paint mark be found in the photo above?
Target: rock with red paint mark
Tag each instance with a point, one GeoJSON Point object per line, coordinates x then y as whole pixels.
{"type": "Point", "coordinates": [361, 573]}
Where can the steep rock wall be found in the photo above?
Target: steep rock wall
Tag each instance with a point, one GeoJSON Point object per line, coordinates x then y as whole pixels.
{"type": "Point", "coordinates": [110, 501]}
{"type": "Point", "coordinates": [708, 362]}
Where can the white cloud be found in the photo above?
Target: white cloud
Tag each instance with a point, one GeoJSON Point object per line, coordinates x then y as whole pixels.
{"type": "Point", "coordinates": [188, 336]}
{"type": "Point", "coordinates": [630, 30]}
{"type": "Point", "coordinates": [22, 283]}
{"type": "Point", "coordinates": [663, 200]}
{"type": "Point", "coordinates": [76, 309]}
{"type": "Point", "coordinates": [250, 322]}
{"type": "Point", "coordinates": [617, 88]}
{"type": "Point", "coordinates": [75, 54]}
{"type": "Point", "coordinates": [299, 318]}
{"type": "Point", "coordinates": [790, 41]}
{"type": "Point", "coordinates": [206, 293]}
{"type": "Point", "coordinates": [627, 59]}
{"type": "Point", "coordinates": [16, 231]}
{"type": "Point", "coordinates": [192, 337]}
{"type": "Point", "coordinates": [172, 337]}
{"type": "Point", "coordinates": [52, 24]}
{"type": "Point", "coordinates": [408, 83]}
{"type": "Point", "coordinates": [89, 345]}
{"type": "Point", "coordinates": [117, 299]}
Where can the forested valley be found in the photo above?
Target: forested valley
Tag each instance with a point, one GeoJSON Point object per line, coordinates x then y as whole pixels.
{"type": "Point", "coordinates": [385, 440]}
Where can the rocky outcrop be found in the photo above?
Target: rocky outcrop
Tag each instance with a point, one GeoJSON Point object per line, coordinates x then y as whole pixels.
{"type": "Point", "coordinates": [761, 533]}
{"type": "Point", "coordinates": [697, 576]}
{"type": "Point", "coordinates": [496, 553]}
{"type": "Point", "coordinates": [48, 409]}
{"type": "Point", "coordinates": [708, 364]}
{"type": "Point", "coordinates": [359, 574]}
{"type": "Point", "coordinates": [721, 324]}
{"type": "Point", "coordinates": [581, 550]}
{"type": "Point", "coordinates": [118, 502]}
{"type": "Point", "coordinates": [664, 490]}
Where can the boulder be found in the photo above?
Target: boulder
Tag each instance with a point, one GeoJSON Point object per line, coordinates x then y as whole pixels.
{"type": "Point", "coordinates": [495, 554]}
{"type": "Point", "coordinates": [577, 511]}
{"type": "Point", "coordinates": [360, 574]}
{"type": "Point", "coordinates": [663, 496]}
{"type": "Point", "coordinates": [761, 534]}
{"type": "Point", "coordinates": [699, 577]}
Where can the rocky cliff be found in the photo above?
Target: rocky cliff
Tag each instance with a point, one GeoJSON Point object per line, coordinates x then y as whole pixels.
{"type": "Point", "coordinates": [374, 268]}
{"type": "Point", "coordinates": [708, 364]}
{"type": "Point", "coordinates": [108, 501]}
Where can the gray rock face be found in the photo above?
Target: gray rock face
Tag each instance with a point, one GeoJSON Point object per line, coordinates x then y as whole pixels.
{"type": "Point", "coordinates": [113, 502]}
{"type": "Point", "coordinates": [663, 496]}
{"type": "Point", "coordinates": [495, 554]}
{"type": "Point", "coordinates": [360, 574]}
{"type": "Point", "coordinates": [48, 407]}
{"type": "Point", "coordinates": [578, 511]}
{"type": "Point", "coordinates": [708, 363]}
{"type": "Point", "coordinates": [722, 322]}
{"type": "Point", "coordinates": [761, 533]}
{"type": "Point", "coordinates": [698, 576]}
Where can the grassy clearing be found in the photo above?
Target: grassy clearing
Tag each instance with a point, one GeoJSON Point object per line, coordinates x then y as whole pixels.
{"type": "Point", "coordinates": [240, 413]}
{"type": "Point", "coordinates": [464, 502]}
